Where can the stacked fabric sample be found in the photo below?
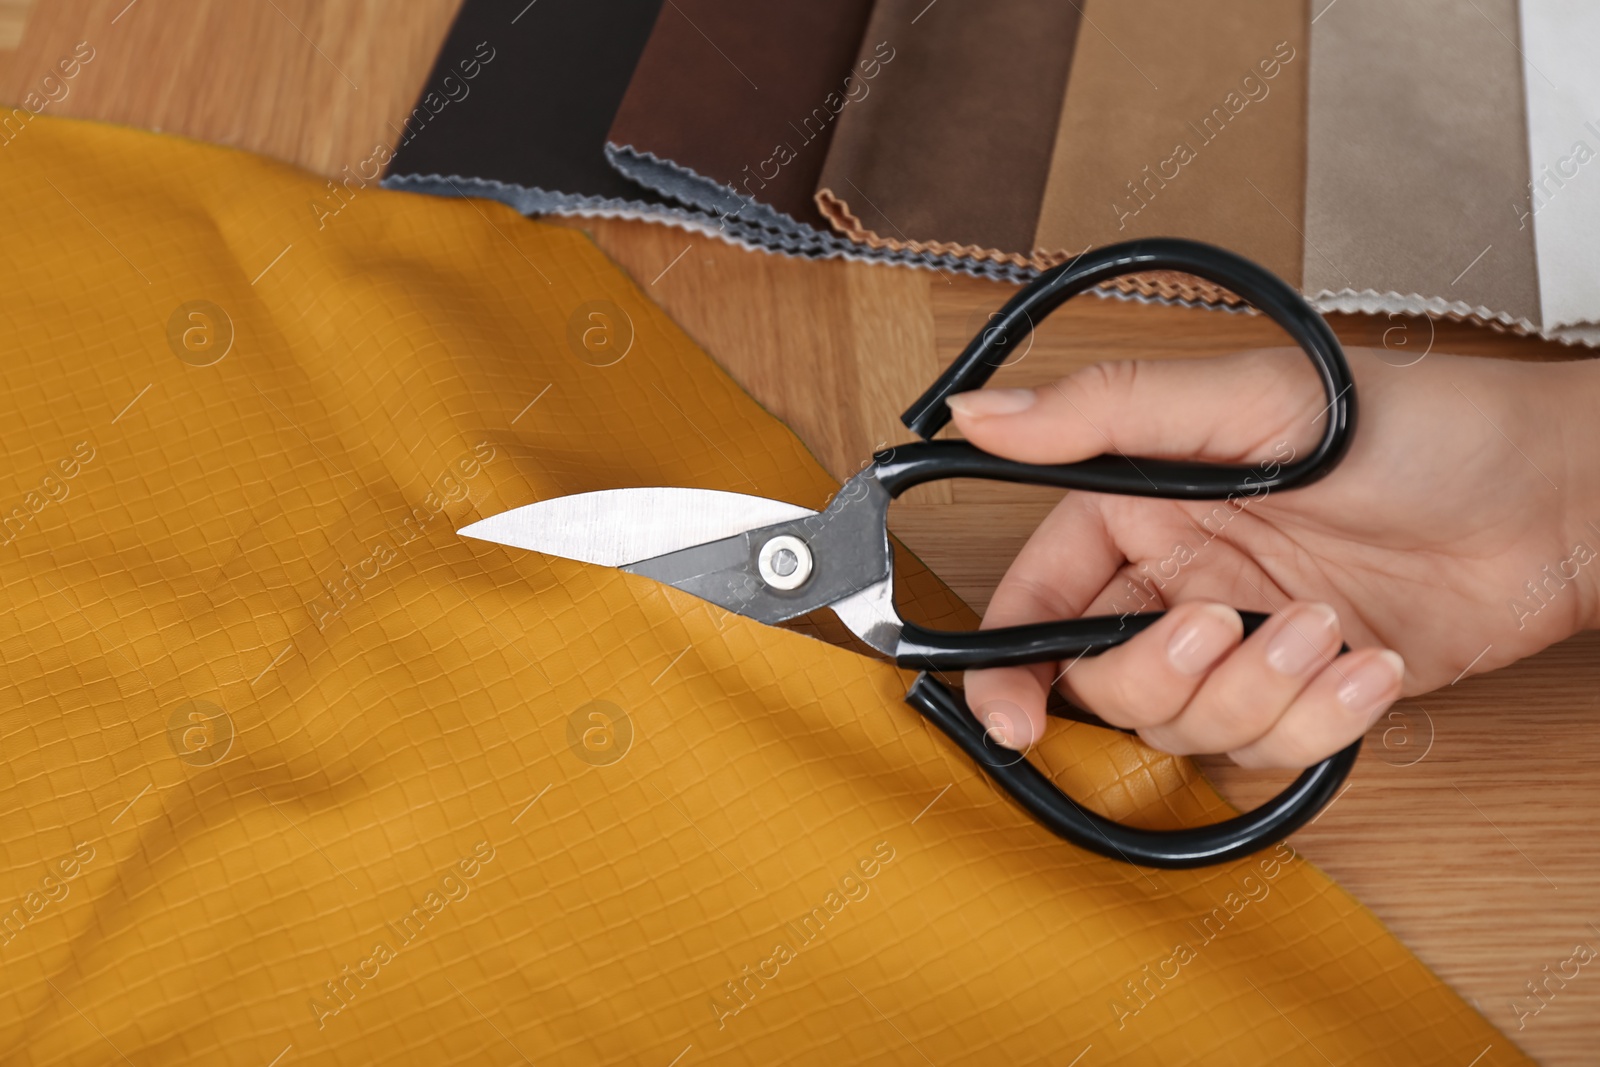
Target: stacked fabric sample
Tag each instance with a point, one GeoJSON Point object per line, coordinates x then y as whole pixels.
{"type": "Point", "coordinates": [1427, 158]}
{"type": "Point", "coordinates": [569, 78]}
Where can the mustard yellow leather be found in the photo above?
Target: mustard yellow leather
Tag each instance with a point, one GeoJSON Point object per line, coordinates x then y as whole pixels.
{"type": "Point", "coordinates": [292, 773]}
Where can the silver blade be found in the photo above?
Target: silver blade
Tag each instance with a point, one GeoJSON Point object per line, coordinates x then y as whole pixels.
{"type": "Point", "coordinates": [616, 527]}
{"type": "Point", "coordinates": [871, 616]}
{"type": "Point", "coordinates": [848, 546]}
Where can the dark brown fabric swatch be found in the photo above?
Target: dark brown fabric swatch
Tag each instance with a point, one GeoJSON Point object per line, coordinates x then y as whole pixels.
{"type": "Point", "coordinates": [951, 151]}
{"type": "Point", "coordinates": [743, 97]}
{"type": "Point", "coordinates": [1184, 120]}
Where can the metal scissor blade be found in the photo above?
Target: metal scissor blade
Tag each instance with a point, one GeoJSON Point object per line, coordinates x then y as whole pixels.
{"type": "Point", "coordinates": [846, 546]}
{"type": "Point", "coordinates": [871, 616]}
{"type": "Point", "coordinates": [616, 527]}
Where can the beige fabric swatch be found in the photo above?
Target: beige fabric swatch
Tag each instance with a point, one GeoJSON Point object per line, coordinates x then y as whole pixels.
{"type": "Point", "coordinates": [1183, 120]}
{"type": "Point", "coordinates": [1417, 159]}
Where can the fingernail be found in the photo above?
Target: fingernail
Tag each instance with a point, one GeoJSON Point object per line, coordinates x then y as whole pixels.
{"type": "Point", "coordinates": [1373, 686]}
{"type": "Point", "coordinates": [1006, 723]}
{"type": "Point", "coordinates": [1204, 639]}
{"type": "Point", "coordinates": [1304, 639]}
{"type": "Point", "coordinates": [982, 402]}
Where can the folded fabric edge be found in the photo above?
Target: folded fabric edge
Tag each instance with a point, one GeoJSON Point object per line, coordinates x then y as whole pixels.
{"type": "Point", "coordinates": [1167, 285]}
{"type": "Point", "coordinates": [529, 200]}
{"type": "Point", "coordinates": [1174, 285]}
{"type": "Point", "coordinates": [837, 211]}
{"type": "Point", "coordinates": [746, 235]}
{"type": "Point", "coordinates": [1163, 288]}
{"type": "Point", "coordinates": [688, 186]}
{"type": "Point", "coordinates": [1372, 302]}
{"type": "Point", "coordinates": [1582, 333]}
{"type": "Point", "coordinates": [1136, 290]}
{"type": "Point", "coordinates": [674, 180]}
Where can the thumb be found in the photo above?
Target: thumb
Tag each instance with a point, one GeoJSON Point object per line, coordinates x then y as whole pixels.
{"type": "Point", "coordinates": [1233, 409]}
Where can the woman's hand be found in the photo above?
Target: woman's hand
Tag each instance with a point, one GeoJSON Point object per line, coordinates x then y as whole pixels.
{"type": "Point", "coordinates": [1460, 533]}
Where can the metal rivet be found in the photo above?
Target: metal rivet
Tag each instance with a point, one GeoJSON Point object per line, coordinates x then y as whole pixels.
{"type": "Point", "coordinates": [784, 562]}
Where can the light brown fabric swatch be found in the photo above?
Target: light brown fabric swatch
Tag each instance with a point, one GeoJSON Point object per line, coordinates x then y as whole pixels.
{"type": "Point", "coordinates": [1183, 120]}
{"type": "Point", "coordinates": [951, 150]}
{"type": "Point", "coordinates": [1418, 162]}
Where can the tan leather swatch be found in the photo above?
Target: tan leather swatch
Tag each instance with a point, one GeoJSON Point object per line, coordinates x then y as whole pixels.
{"type": "Point", "coordinates": [951, 150]}
{"type": "Point", "coordinates": [1183, 120]}
{"type": "Point", "coordinates": [1418, 161]}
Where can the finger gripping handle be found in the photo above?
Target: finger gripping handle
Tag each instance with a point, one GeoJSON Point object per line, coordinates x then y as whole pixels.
{"type": "Point", "coordinates": [903, 466]}
{"type": "Point", "coordinates": [1039, 642]}
{"type": "Point", "coordinates": [1066, 818]}
{"type": "Point", "coordinates": [1138, 476]}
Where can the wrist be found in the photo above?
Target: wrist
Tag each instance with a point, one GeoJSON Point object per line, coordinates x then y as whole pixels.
{"type": "Point", "coordinates": [1576, 388]}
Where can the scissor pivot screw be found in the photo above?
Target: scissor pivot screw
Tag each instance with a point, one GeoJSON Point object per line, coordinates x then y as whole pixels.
{"type": "Point", "coordinates": [784, 562]}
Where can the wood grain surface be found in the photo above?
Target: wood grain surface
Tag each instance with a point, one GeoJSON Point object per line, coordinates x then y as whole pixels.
{"type": "Point", "coordinates": [13, 20]}
{"type": "Point", "coordinates": [1469, 824]}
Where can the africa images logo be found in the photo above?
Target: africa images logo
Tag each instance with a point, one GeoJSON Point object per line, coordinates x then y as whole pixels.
{"type": "Point", "coordinates": [339, 993]}
{"type": "Point", "coordinates": [795, 936]}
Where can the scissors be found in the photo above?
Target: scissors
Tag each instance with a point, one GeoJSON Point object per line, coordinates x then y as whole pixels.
{"type": "Point", "coordinates": [772, 561]}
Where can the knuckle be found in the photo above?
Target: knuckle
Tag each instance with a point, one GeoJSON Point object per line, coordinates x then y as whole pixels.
{"type": "Point", "coordinates": [1283, 749]}
{"type": "Point", "coordinates": [1108, 380]}
{"type": "Point", "coordinates": [1253, 758]}
{"type": "Point", "coordinates": [1026, 594]}
{"type": "Point", "coordinates": [1248, 705]}
{"type": "Point", "coordinates": [1133, 695]}
{"type": "Point", "coordinates": [1242, 721]}
{"type": "Point", "coordinates": [1166, 739]}
{"type": "Point", "coordinates": [1123, 692]}
{"type": "Point", "coordinates": [1226, 726]}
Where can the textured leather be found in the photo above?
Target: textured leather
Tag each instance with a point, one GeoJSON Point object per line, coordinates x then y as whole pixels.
{"type": "Point", "coordinates": [294, 774]}
{"type": "Point", "coordinates": [951, 151]}
{"type": "Point", "coordinates": [529, 127]}
{"type": "Point", "coordinates": [1184, 121]}
{"type": "Point", "coordinates": [536, 114]}
{"type": "Point", "coordinates": [733, 104]}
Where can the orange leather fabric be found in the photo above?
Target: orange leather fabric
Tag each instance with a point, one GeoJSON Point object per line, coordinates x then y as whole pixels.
{"type": "Point", "coordinates": [294, 774]}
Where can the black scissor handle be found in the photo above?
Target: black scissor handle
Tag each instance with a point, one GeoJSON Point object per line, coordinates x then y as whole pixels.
{"type": "Point", "coordinates": [1117, 474]}
{"type": "Point", "coordinates": [903, 466]}
{"type": "Point", "coordinates": [1059, 813]}
{"type": "Point", "coordinates": [899, 468]}
{"type": "Point", "coordinates": [1171, 849]}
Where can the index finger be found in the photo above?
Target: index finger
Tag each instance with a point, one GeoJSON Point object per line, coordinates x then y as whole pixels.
{"type": "Point", "coordinates": [1065, 563]}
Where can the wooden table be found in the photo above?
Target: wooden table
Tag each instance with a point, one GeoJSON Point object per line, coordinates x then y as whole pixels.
{"type": "Point", "coordinates": [1468, 826]}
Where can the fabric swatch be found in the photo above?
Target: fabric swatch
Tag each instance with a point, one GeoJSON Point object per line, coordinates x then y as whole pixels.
{"type": "Point", "coordinates": [1183, 120]}
{"type": "Point", "coordinates": [294, 772]}
{"type": "Point", "coordinates": [945, 138]}
{"type": "Point", "coordinates": [695, 125]}
{"type": "Point", "coordinates": [1417, 159]}
{"type": "Point", "coordinates": [951, 151]}
{"type": "Point", "coordinates": [561, 69]}
{"type": "Point", "coordinates": [1560, 40]}
{"type": "Point", "coordinates": [529, 129]}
